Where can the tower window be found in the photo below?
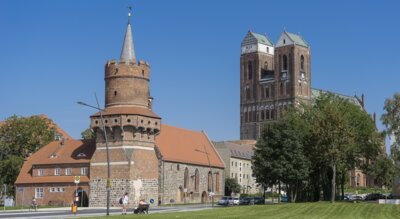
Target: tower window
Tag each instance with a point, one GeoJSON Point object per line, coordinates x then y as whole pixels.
{"type": "Point", "coordinates": [267, 49]}
{"type": "Point", "coordinates": [302, 62]}
{"type": "Point", "coordinates": [250, 70]}
{"type": "Point", "coordinates": [285, 64]}
{"type": "Point", "coordinates": [142, 72]}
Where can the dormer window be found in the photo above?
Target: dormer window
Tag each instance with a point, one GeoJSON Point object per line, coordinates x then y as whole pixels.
{"type": "Point", "coordinates": [81, 155]}
{"type": "Point", "coordinates": [40, 172]}
{"type": "Point", "coordinates": [53, 156]}
{"type": "Point", "coordinates": [284, 41]}
{"type": "Point", "coordinates": [57, 137]}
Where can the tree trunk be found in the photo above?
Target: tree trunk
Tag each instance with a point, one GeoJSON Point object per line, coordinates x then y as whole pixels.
{"type": "Point", "coordinates": [279, 187]}
{"type": "Point", "coordinates": [272, 193]}
{"type": "Point", "coordinates": [333, 182]}
{"type": "Point", "coordinates": [343, 181]}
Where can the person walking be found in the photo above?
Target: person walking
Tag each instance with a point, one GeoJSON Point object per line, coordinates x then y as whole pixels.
{"type": "Point", "coordinates": [125, 201]}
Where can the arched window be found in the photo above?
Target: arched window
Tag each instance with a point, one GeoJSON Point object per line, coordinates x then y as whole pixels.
{"type": "Point", "coordinates": [250, 70]}
{"type": "Point", "coordinates": [285, 63]}
{"type": "Point", "coordinates": [300, 89]}
{"type": "Point", "coordinates": [262, 115]}
{"type": "Point", "coordinates": [287, 85]}
{"type": "Point", "coordinates": [196, 180]}
{"type": "Point", "coordinates": [186, 178]}
{"type": "Point", "coordinates": [209, 181]}
{"type": "Point", "coordinates": [358, 179]}
{"type": "Point", "coordinates": [281, 89]}
{"type": "Point", "coordinates": [302, 62]}
{"type": "Point", "coordinates": [266, 65]}
{"type": "Point", "coordinates": [267, 92]}
{"type": "Point", "coordinates": [267, 116]}
{"type": "Point", "coordinates": [272, 114]}
{"type": "Point", "coordinates": [217, 182]}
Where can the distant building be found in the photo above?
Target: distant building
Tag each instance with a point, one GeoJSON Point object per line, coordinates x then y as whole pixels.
{"type": "Point", "coordinates": [275, 77]}
{"type": "Point", "coordinates": [237, 156]}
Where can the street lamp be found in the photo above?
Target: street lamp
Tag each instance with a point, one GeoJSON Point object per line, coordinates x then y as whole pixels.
{"type": "Point", "coordinates": [108, 157]}
{"type": "Point", "coordinates": [212, 178]}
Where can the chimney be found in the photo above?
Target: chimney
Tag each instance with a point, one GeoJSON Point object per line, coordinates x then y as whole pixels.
{"type": "Point", "coordinates": [362, 100]}
{"type": "Point", "coordinates": [375, 119]}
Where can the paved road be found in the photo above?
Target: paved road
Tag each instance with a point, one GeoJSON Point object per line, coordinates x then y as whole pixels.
{"type": "Point", "coordinates": [90, 212]}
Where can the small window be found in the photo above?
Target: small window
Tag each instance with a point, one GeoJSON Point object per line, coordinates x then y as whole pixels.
{"type": "Point", "coordinates": [52, 189]}
{"type": "Point", "coordinates": [142, 72]}
{"type": "Point", "coordinates": [58, 189]}
{"type": "Point", "coordinates": [84, 171]}
{"type": "Point", "coordinates": [57, 137]}
{"type": "Point", "coordinates": [57, 172]}
{"type": "Point", "coordinates": [68, 171]}
{"type": "Point", "coordinates": [115, 93]}
{"type": "Point", "coordinates": [39, 193]}
{"type": "Point", "coordinates": [177, 167]}
{"type": "Point", "coordinates": [284, 41]}
{"type": "Point", "coordinates": [267, 49]}
{"type": "Point", "coordinates": [53, 156]}
{"type": "Point", "coordinates": [62, 189]}
{"type": "Point", "coordinates": [302, 62]}
{"type": "Point", "coordinates": [40, 172]}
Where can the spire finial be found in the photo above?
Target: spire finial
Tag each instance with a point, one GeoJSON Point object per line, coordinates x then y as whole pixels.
{"type": "Point", "coordinates": [129, 14]}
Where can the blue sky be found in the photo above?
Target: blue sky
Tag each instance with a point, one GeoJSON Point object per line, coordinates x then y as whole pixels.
{"type": "Point", "coordinates": [52, 54]}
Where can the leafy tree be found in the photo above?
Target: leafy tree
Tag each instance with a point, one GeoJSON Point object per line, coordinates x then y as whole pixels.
{"type": "Point", "coordinates": [279, 155]}
{"type": "Point", "coordinates": [383, 171]}
{"type": "Point", "coordinates": [231, 185]}
{"type": "Point", "coordinates": [88, 134]}
{"type": "Point", "coordinates": [391, 119]}
{"type": "Point", "coordinates": [20, 137]}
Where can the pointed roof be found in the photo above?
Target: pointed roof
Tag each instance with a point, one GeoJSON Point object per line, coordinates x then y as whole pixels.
{"type": "Point", "coordinates": [128, 52]}
{"type": "Point", "coordinates": [296, 39]}
{"type": "Point", "coordinates": [254, 38]}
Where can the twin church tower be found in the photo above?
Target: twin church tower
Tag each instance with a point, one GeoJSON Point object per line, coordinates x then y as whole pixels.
{"type": "Point", "coordinates": [272, 78]}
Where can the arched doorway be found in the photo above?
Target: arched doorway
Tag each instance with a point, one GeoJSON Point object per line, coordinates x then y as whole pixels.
{"type": "Point", "coordinates": [83, 198]}
{"type": "Point", "coordinates": [204, 197]}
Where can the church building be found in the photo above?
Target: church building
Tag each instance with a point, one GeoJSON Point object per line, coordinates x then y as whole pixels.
{"type": "Point", "coordinates": [149, 160]}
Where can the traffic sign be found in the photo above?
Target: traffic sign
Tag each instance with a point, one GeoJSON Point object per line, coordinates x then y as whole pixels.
{"type": "Point", "coordinates": [151, 201]}
{"type": "Point", "coordinates": [77, 179]}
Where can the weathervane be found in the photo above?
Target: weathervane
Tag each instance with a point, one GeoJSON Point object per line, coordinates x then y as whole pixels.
{"type": "Point", "coordinates": [129, 14]}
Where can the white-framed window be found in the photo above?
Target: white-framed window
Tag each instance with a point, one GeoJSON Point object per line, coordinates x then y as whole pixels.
{"type": "Point", "coordinates": [39, 193]}
{"type": "Point", "coordinates": [84, 171]}
{"type": "Point", "coordinates": [52, 189]}
{"type": "Point", "coordinates": [58, 189]}
{"type": "Point", "coordinates": [68, 171]}
{"type": "Point", "coordinates": [57, 172]}
{"type": "Point", "coordinates": [63, 189]}
{"type": "Point", "coordinates": [40, 172]}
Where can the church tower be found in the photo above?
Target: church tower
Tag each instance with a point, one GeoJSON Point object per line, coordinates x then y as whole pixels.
{"type": "Point", "coordinates": [272, 78]}
{"type": "Point", "coordinates": [131, 128]}
{"type": "Point", "coordinates": [256, 82]}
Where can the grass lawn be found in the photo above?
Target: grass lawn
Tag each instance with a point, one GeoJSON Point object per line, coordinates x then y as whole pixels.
{"type": "Point", "coordinates": [319, 210]}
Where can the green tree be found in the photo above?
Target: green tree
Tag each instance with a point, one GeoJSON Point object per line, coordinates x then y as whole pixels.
{"type": "Point", "coordinates": [279, 154]}
{"type": "Point", "coordinates": [88, 134]}
{"type": "Point", "coordinates": [20, 137]}
{"type": "Point", "coordinates": [231, 185]}
{"type": "Point", "coordinates": [391, 119]}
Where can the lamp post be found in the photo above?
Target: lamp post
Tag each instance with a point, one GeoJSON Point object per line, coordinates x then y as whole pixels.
{"type": "Point", "coordinates": [108, 157]}
{"type": "Point", "coordinates": [212, 178]}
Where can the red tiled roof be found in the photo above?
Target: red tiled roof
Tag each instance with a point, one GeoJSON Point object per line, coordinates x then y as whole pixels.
{"type": "Point", "coordinates": [64, 154]}
{"type": "Point", "coordinates": [127, 111]}
{"type": "Point", "coordinates": [186, 146]}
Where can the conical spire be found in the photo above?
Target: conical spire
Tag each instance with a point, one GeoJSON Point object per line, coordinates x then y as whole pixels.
{"type": "Point", "coordinates": [128, 52]}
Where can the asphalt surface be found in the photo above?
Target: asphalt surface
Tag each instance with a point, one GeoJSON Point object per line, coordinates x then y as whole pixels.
{"type": "Point", "coordinates": [90, 212]}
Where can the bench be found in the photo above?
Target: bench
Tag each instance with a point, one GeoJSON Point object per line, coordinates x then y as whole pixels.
{"type": "Point", "coordinates": [142, 209]}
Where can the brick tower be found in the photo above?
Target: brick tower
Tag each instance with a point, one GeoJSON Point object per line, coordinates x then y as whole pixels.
{"type": "Point", "coordinates": [271, 79]}
{"type": "Point", "coordinates": [131, 128]}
